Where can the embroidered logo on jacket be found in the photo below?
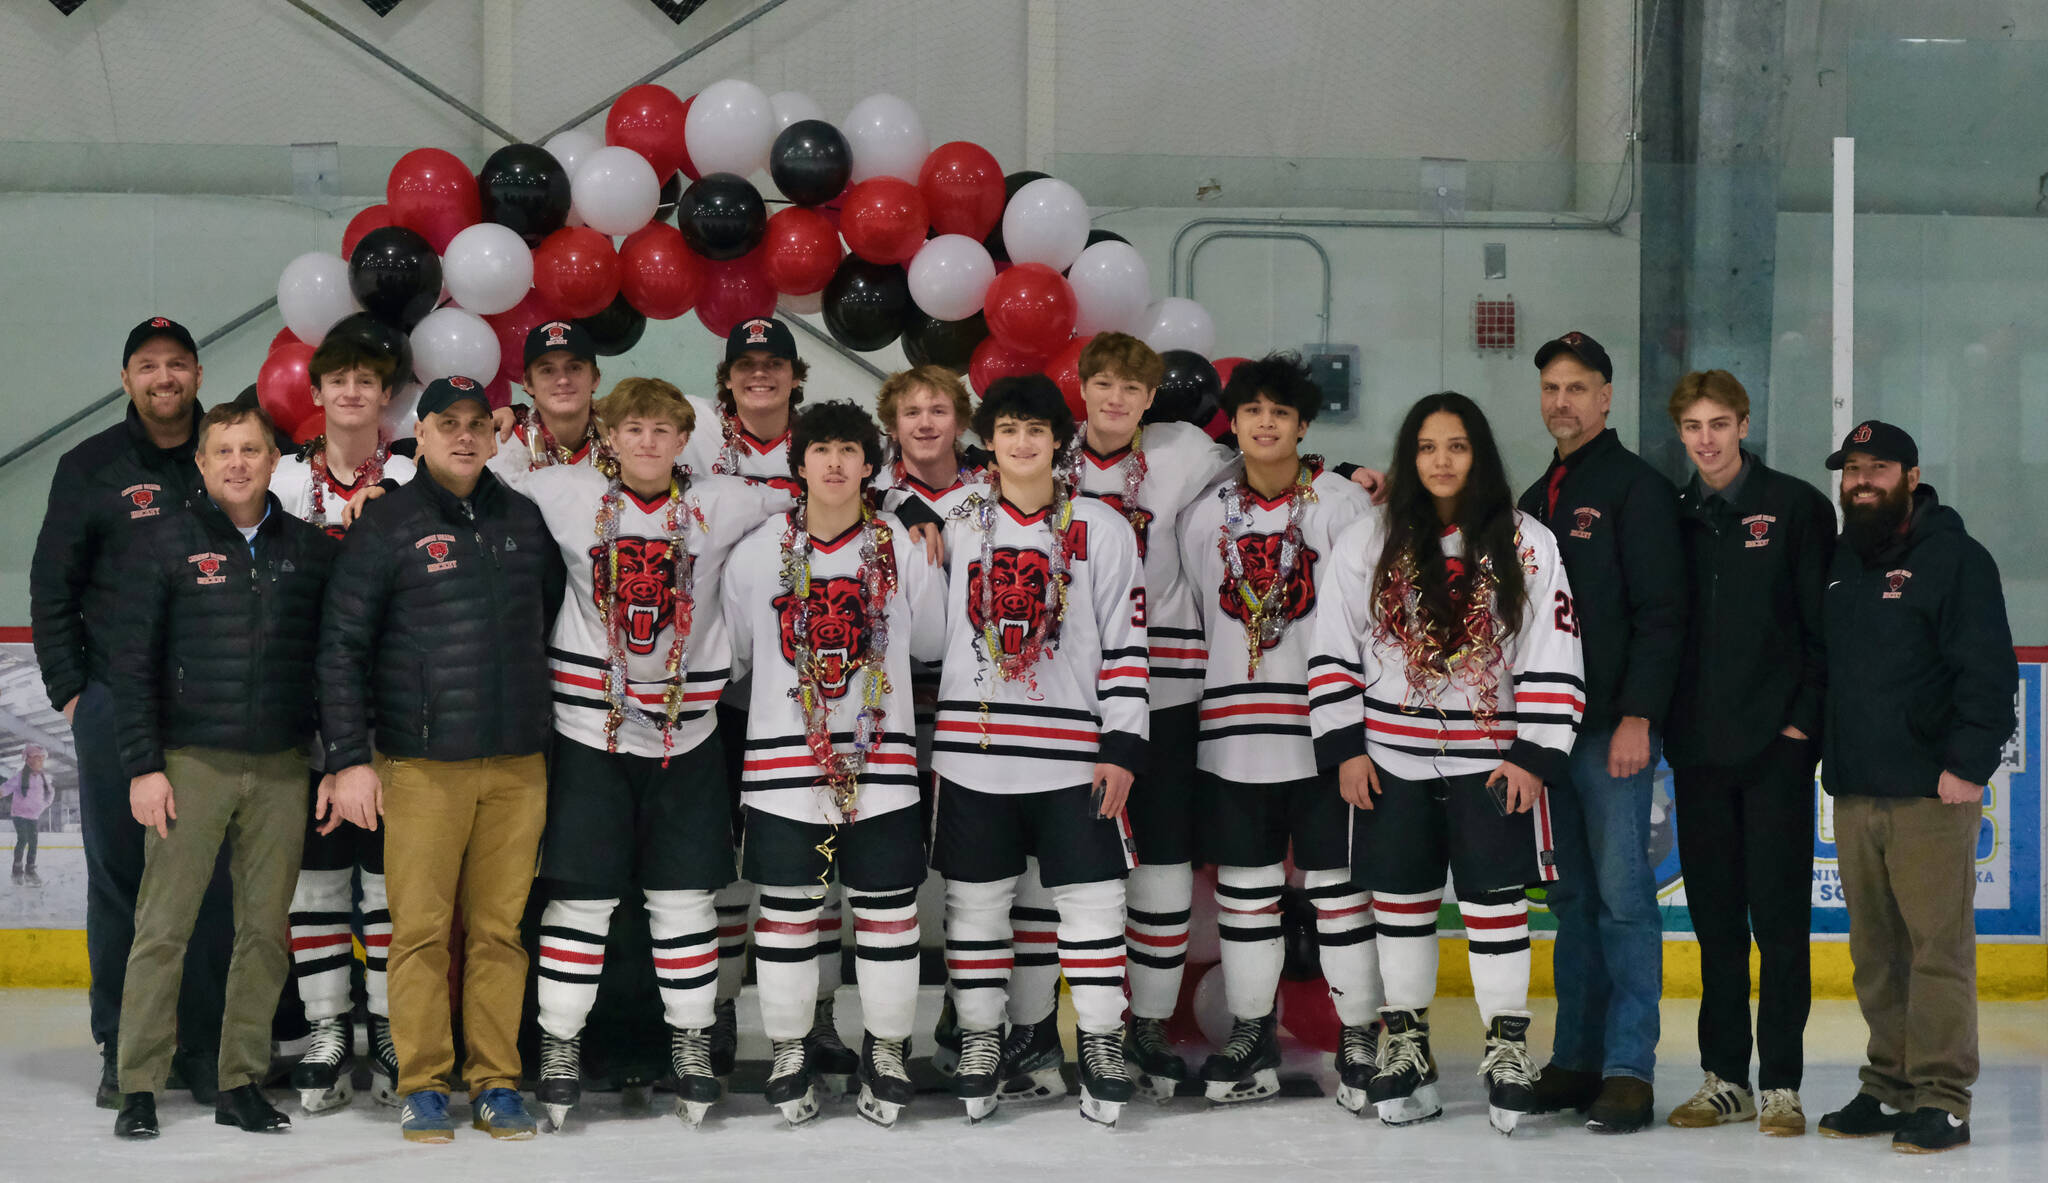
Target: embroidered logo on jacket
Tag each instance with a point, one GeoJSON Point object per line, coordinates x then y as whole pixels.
{"type": "Point", "coordinates": [1582, 521]}
{"type": "Point", "coordinates": [1895, 583]}
{"type": "Point", "coordinates": [1758, 526]}
{"type": "Point", "coordinates": [143, 498]}
{"type": "Point", "coordinates": [208, 566]}
{"type": "Point", "coordinates": [436, 546]}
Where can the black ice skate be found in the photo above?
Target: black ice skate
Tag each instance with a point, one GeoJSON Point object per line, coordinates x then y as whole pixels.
{"type": "Point", "coordinates": [1247, 1066]}
{"type": "Point", "coordinates": [1404, 1088]}
{"type": "Point", "coordinates": [976, 1077]}
{"type": "Point", "coordinates": [789, 1082]}
{"type": "Point", "coordinates": [1032, 1059]}
{"type": "Point", "coordinates": [689, 1054]}
{"type": "Point", "coordinates": [1508, 1070]}
{"type": "Point", "coordinates": [946, 1039]}
{"type": "Point", "coordinates": [560, 1086]}
{"type": "Point", "coordinates": [1105, 1085]}
{"type": "Point", "coordinates": [725, 1038]}
{"type": "Point", "coordinates": [1150, 1055]}
{"type": "Point", "coordinates": [1358, 1058]}
{"type": "Point", "coordinates": [831, 1062]}
{"type": "Point", "coordinates": [383, 1063]}
{"type": "Point", "coordinates": [885, 1086]}
{"type": "Point", "coordinates": [322, 1074]}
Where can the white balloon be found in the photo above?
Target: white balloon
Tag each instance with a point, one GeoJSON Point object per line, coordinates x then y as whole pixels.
{"type": "Point", "coordinates": [313, 293]}
{"type": "Point", "coordinates": [1111, 285]}
{"type": "Point", "coordinates": [572, 148]}
{"type": "Point", "coordinates": [488, 268]}
{"type": "Point", "coordinates": [806, 303]}
{"type": "Point", "coordinates": [887, 138]}
{"type": "Point", "coordinates": [1178, 323]}
{"type": "Point", "coordinates": [1211, 1007]}
{"type": "Point", "coordinates": [730, 128]}
{"type": "Point", "coordinates": [1047, 222]}
{"type": "Point", "coordinates": [615, 190]}
{"type": "Point", "coordinates": [450, 342]}
{"type": "Point", "coordinates": [399, 414]}
{"type": "Point", "coordinates": [791, 107]}
{"type": "Point", "coordinates": [949, 275]}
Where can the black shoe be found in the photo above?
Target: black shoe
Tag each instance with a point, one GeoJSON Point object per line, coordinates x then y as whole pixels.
{"type": "Point", "coordinates": [248, 1108]}
{"type": "Point", "coordinates": [1624, 1106]}
{"type": "Point", "coordinates": [137, 1118]}
{"type": "Point", "coordinates": [197, 1070]}
{"type": "Point", "coordinates": [1558, 1089]}
{"type": "Point", "coordinates": [1931, 1131]}
{"type": "Point", "coordinates": [1862, 1117]}
{"type": "Point", "coordinates": [108, 1095]}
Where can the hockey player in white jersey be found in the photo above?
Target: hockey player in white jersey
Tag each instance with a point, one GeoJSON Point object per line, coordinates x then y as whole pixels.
{"type": "Point", "coordinates": [560, 426]}
{"type": "Point", "coordinates": [1257, 550]}
{"type": "Point", "coordinates": [1446, 690]}
{"type": "Point", "coordinates": [1042, 721]}
{"type": "Point", "coordinates": [827, 605]}
{"type": "Point", "coordinates": [636, 790]}
{"type": "Point", "coordinates": [352, 386]}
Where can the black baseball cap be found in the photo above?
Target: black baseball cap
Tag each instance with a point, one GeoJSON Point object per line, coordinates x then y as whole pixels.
{"type": "Point", "coordinates": [1875, 437]}
{"type": "Point", "coordinates": [1590, 353]}
{"type": "Point", "coordinates": [760, 333]}
{"type": "Point", "coordinates": [443, 393]}
{"type": "Point", "coordinates": [560, 334]}
{"type": "Point", "coordinates": [149, 330]}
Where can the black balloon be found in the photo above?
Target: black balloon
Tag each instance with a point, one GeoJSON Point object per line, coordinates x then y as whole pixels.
{"type": "Point", "coordinates": [721, 216]}
{"type": "Point", "coordinates": [811, 162]}
{"type": "Point", "coordinates": [367, 331]}
{"type": "Point", "coordinates": [671, 192]}
{"type": "Point", "coordinates": [1095, 236]}
{"type": "Point", "coordinates": [994, 242]}
{"type": "Point", "coordinates": [1188, 390]}
{"type": "Point", "coordinates": [616, 329]}
{"type": "Point", "coordinates": [525, 189]}
{"type": "Point", "coordinates": [866, 303]}
{"type": "Point", "coordinates": [395, 275]}
{"type": "Point", "coordinates": [929, 341]}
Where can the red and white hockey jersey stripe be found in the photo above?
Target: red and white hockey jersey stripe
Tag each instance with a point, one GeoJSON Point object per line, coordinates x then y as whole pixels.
{"type": "Point", "coordinates": [924, 675]}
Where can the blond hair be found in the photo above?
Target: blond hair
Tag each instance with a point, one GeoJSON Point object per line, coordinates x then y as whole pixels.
{"type": "Point", "coordinates": [646, 398]}
{"type": "Point", "coordinates": [899, 385]}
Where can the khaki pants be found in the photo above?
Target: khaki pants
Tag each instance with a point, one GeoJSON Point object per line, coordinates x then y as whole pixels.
{"type": "Point", "coordinates": [473, 827]}
{"type": "Point", "coordinates": [257, 804]}
{"type": "Point", "coordinates": [1910, 878]}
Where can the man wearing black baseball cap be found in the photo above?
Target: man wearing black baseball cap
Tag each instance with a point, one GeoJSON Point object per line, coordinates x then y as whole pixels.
{"type": "Point", "coordinates": [1616, 523]}
{"type": "Point", "coordinates": [109, 490]}
{"type": "Point", "coordinates": [560, 376]}
{"type": "Point", "coordinates": [436, 622]}
{"type": "Point", "coordinates": [1921, 677]}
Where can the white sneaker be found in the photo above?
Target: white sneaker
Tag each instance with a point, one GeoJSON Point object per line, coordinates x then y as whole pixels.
{"type": "Point", "coordinates": [1782, 1117]}
{"type": "Point", "coordinates": [1717, 1102]}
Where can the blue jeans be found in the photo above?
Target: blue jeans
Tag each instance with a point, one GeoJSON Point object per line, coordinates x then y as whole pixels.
{"type": "Point", "coordinates": [1609, 955]}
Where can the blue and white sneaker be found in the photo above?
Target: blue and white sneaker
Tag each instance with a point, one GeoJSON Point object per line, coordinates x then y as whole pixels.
{"type": "Point", "coordinates": [424, 1117]}
{"type": "Point", "coordinates": [502, 1114]}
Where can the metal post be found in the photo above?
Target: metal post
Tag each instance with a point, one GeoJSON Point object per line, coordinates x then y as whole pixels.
{"type": "Point", "coordinates": [1842, 378]}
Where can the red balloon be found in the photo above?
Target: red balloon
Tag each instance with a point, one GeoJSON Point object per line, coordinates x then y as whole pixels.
{"type": "Point", "coordinates": [659, 274]}
{"type": "Point", "coordinates": [963, 187]}
{"type": "Point", "coordinates": [1223, 367]}
{"type": "Point", "coordinates": [1065, 368]}
{"type": "Point", "coordinates": [284, 337]}
{"type": "Point", "coordinates": [735, 290]}
{"type": "Point", "coordinates": [310, 426]}
{"type": "Point", "coordinates": [284, 385]}
{"type": "Point", "coordinates": [433, 192]}
{"type": "Point", "coordinates": [688, 166]}
{"type": "Point", "coordinates": [1031, 309]}
{"type": "Point", "coordinates": [800, 251]}
{"type": "Point", "coordinates": [499, 391]}
{"type": "Point", "coordinates": [512, 326]}
{"type": "Point", "coordinates": [993, 360]}
{"type": "Point", "coordinates": [376, 217]}
{"type": "Point", "coordinates": [1307, 1013]}
{"type": "Point", "coordinates": [649, 120]}
{"type": "Point", "coordinates": [884, 220]}
{"type": "Point", "coordinates": [577, 270]}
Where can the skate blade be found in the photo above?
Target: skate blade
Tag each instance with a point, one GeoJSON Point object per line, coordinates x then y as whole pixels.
{"type": "Point", "coordinates": [1503, 1119]}
{"type": "Point", "coordinates": [692, 1112]}
{"type": "Point", "coordinates": [801, 1110]}
{"type": "Point", "coordinates": [837, 1085]}
{"type": "Point", "coordinates": [1419, 1106]}
{"type": "Point", "coordinates": [1160, 1088]}
{"type": "Point", "coordinates": [1263, 1084]}
{"type": "Point", "coordinates": [317, 1101]}
{"type": "Point", "coordinates": [1099, 1111]}
{"type": "Point", "coordinates": [1046, 1084]}
{"type": "Point", "coordinates": [882, 1113]}
{"type": "Point", "coordinates": [558, 1116]}
{"type": "Point", "coordinates": [1354, 1100]}
{"type": "Point", "coordinates": [978, 1108]}
{"type": "Point", "coordinates": [384, 1091]}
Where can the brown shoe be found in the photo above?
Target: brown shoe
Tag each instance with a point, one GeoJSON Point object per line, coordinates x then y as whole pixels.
{"type": "Point", "coordinates": [1624, 1106]}
{"type": "Point", "coordinates": [1558, 1089]}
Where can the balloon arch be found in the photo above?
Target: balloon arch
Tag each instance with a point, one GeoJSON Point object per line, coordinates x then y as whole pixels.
{"type": "Point", "coordinates": [987, 274]}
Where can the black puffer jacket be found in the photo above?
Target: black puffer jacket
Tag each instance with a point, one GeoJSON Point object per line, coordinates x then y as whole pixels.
{"type": "Point", "coordinates": [214, 646]}
{"type": "Point", "coordinates": [436, 624]}
{"type": "Point", "coordinates": [114, 487]}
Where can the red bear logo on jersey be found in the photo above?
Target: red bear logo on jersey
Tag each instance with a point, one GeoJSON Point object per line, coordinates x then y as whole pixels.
{"type": "Point", "coordinates": [837, 628]}
{"type": "Point", "coordinates": [1261, 556]}
{"type": "Point", "coordinates": [1140, 520]}
{"type": "Point", "coordinates": [646, 591]}
{"type": "Point", "coordinates": [1018, 581]}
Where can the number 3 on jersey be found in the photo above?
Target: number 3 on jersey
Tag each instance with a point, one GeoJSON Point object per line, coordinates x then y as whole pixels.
{"type": "Point", "coordinates": [1137, 607]}
{"type": "Point", "coordinates": [1565, 615]}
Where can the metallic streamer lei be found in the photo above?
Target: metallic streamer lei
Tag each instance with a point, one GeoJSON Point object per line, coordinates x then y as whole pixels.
{"type": "Point", "coordinates": [728, 462]}
{"type": "Point", "coordinates": [371, 470]}
{"type": "Point", "coordinates": [1132, 468]}
{"type": "Point", "coordinates": [1045, 638]}
{"type": "Point", "coordinates": [623, 706]}
{"type": "Point", "coordinates": [546, 450]}
{"type": "Point", "coordinates": [1432, 660]}
{"type": "Point", "coordinates": [1265, 614]}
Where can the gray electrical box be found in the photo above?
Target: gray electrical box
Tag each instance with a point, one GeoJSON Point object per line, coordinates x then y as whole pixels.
{"type": "Point", "coordinates": [1335, 369]}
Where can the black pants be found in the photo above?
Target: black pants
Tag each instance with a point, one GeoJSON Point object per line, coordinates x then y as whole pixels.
{"type": "Point", "coordinates": [113, 873]}
{"type": "Point", "coordinates": [1745, 843]}
{"type": "Point", "coordinates": [24, 843]}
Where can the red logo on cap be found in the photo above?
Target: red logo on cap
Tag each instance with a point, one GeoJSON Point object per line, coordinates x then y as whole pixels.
{"type": "Point", "coordinates": [757, 332]}
{"type": "Point", "coordinates": [558, 332]}
{"type": "Point", "coordinates": [158, 322]}
{"type": "Point", "coordinates": [439, 550]}
{"type": "Point", "coordinates": [1861, 435]}
{"type": "Point", "coordinates": [461, 383]}
{"type": "Point", "coordinates": [1574, 338]}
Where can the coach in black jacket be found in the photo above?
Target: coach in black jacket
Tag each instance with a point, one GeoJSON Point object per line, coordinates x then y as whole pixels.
{"type": "Point", "coordinates": [212, 676]}
{"type": "Point", "coordinates": [110, 491]}
{"type": "Point", "coordinates": [1616, 524]}
{"type": "Point", "coordinates": [436, 624]}
{"type": "Point", "coordinates": [1742, 740]}
{"type": "Point", "coordinates": [1921, 677]}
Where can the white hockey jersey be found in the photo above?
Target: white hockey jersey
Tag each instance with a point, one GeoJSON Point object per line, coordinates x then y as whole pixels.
{"type": "Point", "coordinates": [1254, 725]}
{"type": "Point", "coordinates": [780, 775]}
{"type": "Point", "coordinates": [893, 492]}
{"type": "Point", "coordinates": [1180, 461]}
{"type": "Point", "coordinates": [1085, 700]}
{"type": "Point", "coordinates": [523, 453]}
{"type": "Point", "coordinates": [757, 460]}
{"type": "Point", "coordinates": [1363, 701]}
{"type": "Point", "coordinates": [717, 512]}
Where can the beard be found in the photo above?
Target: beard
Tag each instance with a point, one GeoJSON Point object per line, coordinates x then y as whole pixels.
{"type": "Point", "coordinates": [1866, 528]}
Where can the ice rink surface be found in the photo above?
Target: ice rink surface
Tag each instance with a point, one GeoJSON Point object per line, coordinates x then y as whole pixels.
{"type": "Point", "coordinates": [49, 1129]}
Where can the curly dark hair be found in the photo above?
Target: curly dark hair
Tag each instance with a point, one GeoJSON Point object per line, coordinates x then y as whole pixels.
{"type": "Point", "coordinates": [838, 421]}
{"type": "Point", "coordinates": [1282, 377]}
{"type": "Point", "coordinates": [1031, 396]}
